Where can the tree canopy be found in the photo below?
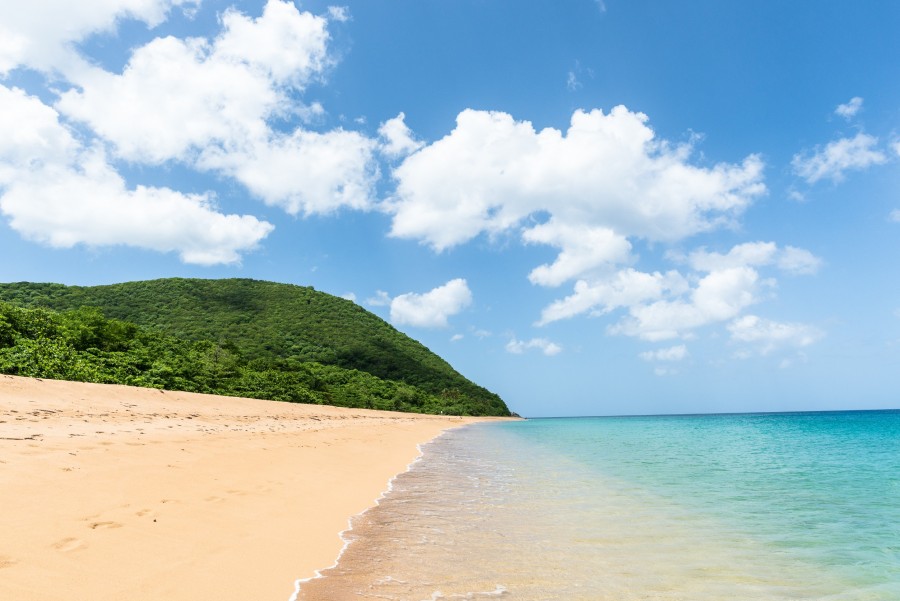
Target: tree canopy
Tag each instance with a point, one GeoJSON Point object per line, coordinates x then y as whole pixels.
{"type": "Point", "coordinates": [234, 336]}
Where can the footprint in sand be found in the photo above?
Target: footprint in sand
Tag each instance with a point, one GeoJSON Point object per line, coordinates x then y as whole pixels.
{"type": "Point", "coordinates": [68, 544]}
{"type": "Point", "coordinates": [105, 525]}
{"type": "Point", "coordinates": [6, 561]}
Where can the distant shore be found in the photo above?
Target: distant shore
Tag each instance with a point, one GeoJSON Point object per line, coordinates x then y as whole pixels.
{"type": "Point", "coordinates": [113, 492]}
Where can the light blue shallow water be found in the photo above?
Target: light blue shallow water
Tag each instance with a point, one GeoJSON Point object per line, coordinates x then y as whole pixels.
{"type": "Point", "coordinates": [700, 508]}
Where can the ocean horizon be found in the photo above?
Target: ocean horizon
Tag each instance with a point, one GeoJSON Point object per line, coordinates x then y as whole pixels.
{"type": "Point", "coordinates": [709, 507]}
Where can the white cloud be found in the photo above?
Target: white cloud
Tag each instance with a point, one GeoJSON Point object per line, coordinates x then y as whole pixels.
{"type": "Point", "coordinates": [176, 97]}
{"type": "Point", "coordinates": [41, 36]}
{"type": "Point", "coordinates": [672, 353]}
{"type": "Point", "coordinates": [750, 254]}
{"type": "Point", "coordinates": [431, 309]}
{"type": "Point", "coordinates": [671, 305]}
{"type": "Point", "coordinates": [57, 192]}
{"type": "Point", "coordinates": [32, 135]}
{"type": "Point", "coordinates": [583, 249]}
{"type": "Point", "coordinates": [796, 196]}
{"type": "Point", "coordinates": [107, 214]}
{"type": "Point", "coordinates": [456, 337]}
{"type": "Point", "coordinates": [606, 171]}
{"type": "Point", "coordinates": [572, 83]}
{"type": "Point", "coordinates": [719, 296]}
{"type": "Point", "coordinates": [757, 254]}
{"type": "Point", "coordinates": [850, 109]}
{"type": "Point", "coordinates": [12, 49]}
{"type": "Point", "coordinates": [305, 172]}
{"type": "Point", "coordinates": [398, 138]}
{"type": "Point", "coordinates": [381, 299]}
{"type": "Point", "coordinates": [284, 44]}
{"type": "Point", "coordinates": [171, 101]}
{"type": "Point", "coordinates": [798, 261]}
{"type": "Point", "coordinates": [895, 215]}
{"type": "Point", "coordinates": [626, 288]}
{"type": "Point", "coordinates": [349, 296]}
{"type": "Point", "coordinates": [767, 335]}
{"type": "Point", "coordinates": [545, 346]}
{"type": "Point", "coordinates": [211, 105]}
{"type": "Point", "coordinates": [838, 157]}
{"type": "Point", "coordinates": [341, 14]}
{"type": "Point", "coordinates": [587, 192]}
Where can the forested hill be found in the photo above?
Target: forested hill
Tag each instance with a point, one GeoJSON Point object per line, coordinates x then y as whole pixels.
{"type": "Point", "coordinates": [266, 327]}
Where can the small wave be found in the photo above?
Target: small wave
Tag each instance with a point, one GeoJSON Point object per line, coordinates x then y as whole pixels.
{"type": "Point", "coordinates": [500, 591]}
{"type": "Point", "coordinates": [345, 534]}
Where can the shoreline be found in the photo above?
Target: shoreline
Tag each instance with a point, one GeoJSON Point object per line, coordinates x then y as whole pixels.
{"type": "Point", "coordinates": [319, 572]}
{"type": "Point", "coordinates": [114, 492]}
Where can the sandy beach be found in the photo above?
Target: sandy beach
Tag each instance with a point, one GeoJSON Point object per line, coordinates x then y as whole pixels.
{"type": "Point", "coordinates": [112, 492]}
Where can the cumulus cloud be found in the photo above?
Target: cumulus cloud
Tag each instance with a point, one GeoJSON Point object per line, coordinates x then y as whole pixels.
{"type": "Point", "coordinates": [798, 261]}
{"type": "Point", "coordinates": [55, 191]}
{"type": "Point", "coordinates": [341, 14]}
{"type": "Point", "coordinates": [626, 288]}
{"type": "Point", "coordinates": [211, 104]}
{"type": "Point", "coordinates": [719, 296]}
{"type": "Point", "coordinates": [107, 213]}
{"type": "Point", "coordinates": [756, 254]}
{"type": "Point", "coordinates": [583, 249]}
{"type": "Point", "coordinates": [672, 353]}
{"type": "Point", "coordinates": [606, 171]}
{"type": "Point", "coordinates": [431, 309]}
{"type": "Point", "coordinates": [518, 347]}
{"type": "Point", "coordinates": [305, 172]}
{"type": "Point", "coordinates": [381, 299]}
{"type": "Point", "coordinates": [588, 192]}
{"type": "Point", "coordinates": [838, 157]}
{"type": "Point", "coordinates": [850, 109]}
{"type": "Point", "coordinates": [662, 306]}
{"type": "Point", "coordinates": [766, 335]}
{"type": "Point", "coordinates": [42, 36]}
{"type": "Point", "coordinates": [398, 138]}
{"type": "Point", "coordinates": [239, 77]}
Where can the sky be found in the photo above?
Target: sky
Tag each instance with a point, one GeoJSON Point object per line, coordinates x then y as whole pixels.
{"type": "Point", "coordinates": [588, 207]}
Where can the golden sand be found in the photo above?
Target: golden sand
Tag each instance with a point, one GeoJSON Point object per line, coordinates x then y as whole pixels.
{"type": "Point", "coordinates": [119, 493]}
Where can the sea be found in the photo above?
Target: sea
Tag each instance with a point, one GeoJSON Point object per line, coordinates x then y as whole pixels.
{"type": "Point", "coordinates": [777, 506]}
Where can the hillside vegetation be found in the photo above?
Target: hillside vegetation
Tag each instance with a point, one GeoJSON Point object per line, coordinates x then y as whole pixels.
{"type": "Point", "coordinates": [236, 336]}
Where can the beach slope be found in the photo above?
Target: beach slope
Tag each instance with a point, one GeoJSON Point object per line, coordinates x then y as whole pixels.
{"type": "Point", "coordinates": [112, 492]}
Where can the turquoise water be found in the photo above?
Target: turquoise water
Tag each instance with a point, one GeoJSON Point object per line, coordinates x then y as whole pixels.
{"type": "Point", "coordinates": [699, 508]}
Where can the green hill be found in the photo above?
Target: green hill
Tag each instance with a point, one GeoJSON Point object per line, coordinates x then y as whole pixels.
{"type": "Point", "coordinates": [255, 327]}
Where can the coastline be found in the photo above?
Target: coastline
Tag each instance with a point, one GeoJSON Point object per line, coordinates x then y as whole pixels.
{"type": "Point", "coordinates": [345, 541]}
{"type": "Point", "coordinates": [112, 492]}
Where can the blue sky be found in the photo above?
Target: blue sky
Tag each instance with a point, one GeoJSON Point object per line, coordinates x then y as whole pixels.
{"type": "Point", "coordinates": [588, 207]}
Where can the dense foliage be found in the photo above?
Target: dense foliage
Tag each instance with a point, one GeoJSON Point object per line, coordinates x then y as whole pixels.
{"type": "Point", "coordinates": [237, 337]}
